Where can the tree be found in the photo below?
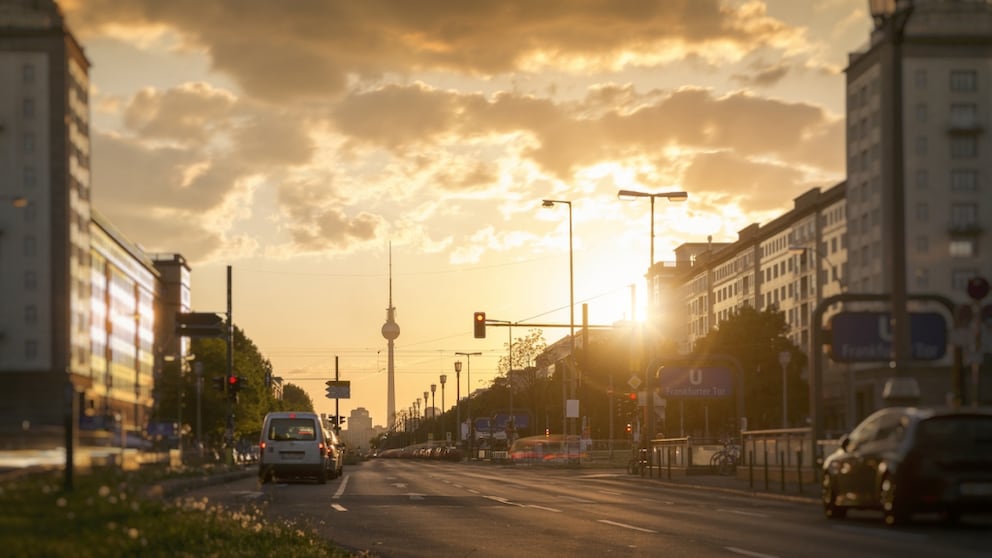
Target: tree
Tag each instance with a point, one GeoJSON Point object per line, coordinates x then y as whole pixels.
{"type": "Point", "coordinates": [755, 339]}
{"type": "Point", "coordinates": [294, 398]}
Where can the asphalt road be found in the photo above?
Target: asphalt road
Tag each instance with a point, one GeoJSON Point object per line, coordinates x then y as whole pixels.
{"type": "Point", "coordinates": [399, 509]}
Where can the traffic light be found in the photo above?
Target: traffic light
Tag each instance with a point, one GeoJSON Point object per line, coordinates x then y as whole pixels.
{"type": "Point", "coordinates": [480, 325]}
{"type": "Point", "coordinates": [219, 382]}
{"type": "Point", "coordinates": [629, 429]}
{"type": "Point", "coordinates": [632, 396]}
{"type": "Point", "coordinates": [234, 384]}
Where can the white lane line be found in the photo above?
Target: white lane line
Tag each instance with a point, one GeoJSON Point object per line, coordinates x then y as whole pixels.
{"type": "Point", "coordinates": [610, 492]}
{"type": "Point", "coordinates": [503, 501]}
{"type": "Point", "coordinates": [340, 490]}
{"type": "Point", "coordinates": [339, 507]}
{"type": "Point", "coordinates": [625, 526]}
{"type": "Point", "coordinates": [740, 512]}
{"type": "Point", "coordinates": [473, 491]}
{"type": "Point", "coordinates": [743, 552]}
{"type": "Point", "coordinates": [545, 508]}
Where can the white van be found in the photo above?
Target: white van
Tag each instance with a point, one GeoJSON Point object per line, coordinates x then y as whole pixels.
{"type": "Point", "coordinates": [295, 444]}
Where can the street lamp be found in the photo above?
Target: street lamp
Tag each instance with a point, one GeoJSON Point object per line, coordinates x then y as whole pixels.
{"type": "Point", "coordinates": [16, 201]}
{"type": "Point", "coordinates": [444, 378]}
{"type": "Point", "coordinates": [890, 18]}
{"type": "Point", "coordinates": [433, 409]}
{"type": "Point", "coordinates": [458, 401]}
{"type": "Point", "coordinates": [679, 196]}
{"type": "Point", "coordinates": [468, 395]}
{"type": "Point", "coordinates": [571, 322]}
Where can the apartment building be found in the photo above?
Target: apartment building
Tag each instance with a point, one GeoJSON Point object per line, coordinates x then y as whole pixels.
{"type": "Point", "coordinates": [919, 205]}
{"type": "Point", "coordinates": [86, 316]}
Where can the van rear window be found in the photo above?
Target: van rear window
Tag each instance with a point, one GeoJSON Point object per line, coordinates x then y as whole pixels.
{"type": "Point", "coordinates": [292, 429]}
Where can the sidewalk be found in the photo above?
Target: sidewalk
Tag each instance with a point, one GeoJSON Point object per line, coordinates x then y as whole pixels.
{"type": "Point", "coordinates": [744, 482]}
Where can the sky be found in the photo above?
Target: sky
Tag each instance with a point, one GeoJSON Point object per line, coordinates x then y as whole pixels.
{"type": "Point", "coordinates": [301, 142]}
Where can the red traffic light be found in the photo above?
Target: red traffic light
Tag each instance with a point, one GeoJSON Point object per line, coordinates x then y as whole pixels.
{"type": "Point", "coordinates": [479, 325]}
{"type": "Point", "coordinates": [632, 396]}
{"type": "Point", "coordinates": [232, 380]}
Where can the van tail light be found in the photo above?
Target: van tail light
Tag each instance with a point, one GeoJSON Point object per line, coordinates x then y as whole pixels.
{"type": "Point", "coordinates": [261, 446]}
{"type": "Point", "coordinates": [323, 450]}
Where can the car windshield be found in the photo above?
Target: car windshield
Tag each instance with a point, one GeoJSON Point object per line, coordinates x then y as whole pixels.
{"type": "Point", "coordinates": [970, 432]}
{"type": "Point", "coordinates": [291, 429]}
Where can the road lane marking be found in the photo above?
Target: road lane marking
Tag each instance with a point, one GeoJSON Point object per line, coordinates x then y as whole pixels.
{"type": "Point", "coordinates": [626, 526]}
{"type": "Point", "coordinates": [545, 508]}
{"type": "Point", "coordinates": [473, 491]}
{"type": "Point", "coordinates": [741, 512]}
{"type": "Point", "coordinates": [749, 553]}
{"type": "Point", "coordinates": [415, 496]}
{"type": "Point", "coordinates": [340, 490]}
{"type": "Point", "coordinates": [610, 492]}
{"type": "Point", "coordinates": [502, 500]}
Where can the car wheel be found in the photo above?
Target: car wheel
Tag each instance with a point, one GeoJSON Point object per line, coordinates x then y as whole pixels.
{"type": "Point", "coordinates": [892, 507]}
{"type": "Point", "coordinates": [322, 476]}
{"type": "Point", "coordinates": [829, 497]}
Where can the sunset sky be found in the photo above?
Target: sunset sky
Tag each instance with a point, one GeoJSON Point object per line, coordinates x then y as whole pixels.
{"type": "Point", "coordinates": [295, 140]}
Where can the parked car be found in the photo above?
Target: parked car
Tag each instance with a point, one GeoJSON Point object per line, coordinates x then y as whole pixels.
{"type": "Point", "coordinates": [294, 444]}
{"type": "Point", "coordinates": [905, 460]}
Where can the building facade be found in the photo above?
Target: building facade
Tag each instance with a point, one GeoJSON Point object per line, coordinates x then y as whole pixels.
{"type": "Point", "coordinates": [86, 317]}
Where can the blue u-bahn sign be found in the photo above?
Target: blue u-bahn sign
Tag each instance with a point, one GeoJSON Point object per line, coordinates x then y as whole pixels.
{"type": "Point", "coordinates": [867, 336]}
{"type": "Point", "coordinates": [695, 383]}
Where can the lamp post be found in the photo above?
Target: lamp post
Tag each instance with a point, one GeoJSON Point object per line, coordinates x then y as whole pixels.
{"type": "Point", "coordinates": [444, 378]}
{"type": "Point", "coordinates": [458, 402]}
{"type": "Point", "coordinates": [890, 20]}
{"type": "Point", "coordinates": [679, 196]}
{"type": "Point", "coordinates": [433, 410]}
{"type": "Point", "coordinates": [468, 395]}
{"type": "Point", "coordinates": [571, 324]}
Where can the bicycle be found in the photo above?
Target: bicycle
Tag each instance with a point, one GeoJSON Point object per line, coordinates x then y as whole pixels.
{"type": "Point", "coordinates": [725, 461]}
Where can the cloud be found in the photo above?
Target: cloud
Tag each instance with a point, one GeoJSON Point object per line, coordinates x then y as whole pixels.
{"type": "Point", "coordinates": [314, 48]}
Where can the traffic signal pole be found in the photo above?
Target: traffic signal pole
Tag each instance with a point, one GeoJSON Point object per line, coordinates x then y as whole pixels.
{"type": "Point", "coordinates": [229, 451]}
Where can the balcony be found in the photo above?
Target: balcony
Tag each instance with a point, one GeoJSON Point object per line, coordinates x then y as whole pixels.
{"type": "Point", "coordinates": [964, 229]}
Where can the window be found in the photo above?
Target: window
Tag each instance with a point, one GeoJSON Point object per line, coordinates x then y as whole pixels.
{"type": "Point", "coordinates": [964, 214]}
{"type": "Point", "coordinates": [921, 145]}
{"type": "Point", "coordinates": [27, 73]}
{"type": "Point", "coordinates": [964, 115]}
{"type": "Point", "coordinates": [920, 79]}
{"type": "Point", "coordinates": [30, 281]}
{"type": "Point", "coordinates": [30, 349]}
{"type": "Point", "coordinates": [922, 244]}
{"type": "Point", "coordinates": [27, 108]}
{"type": "Point", "coordinates": [30, 314]}
{"type": "Point", "coordinates": [964, 81]}
{"type": "Point", "coordinates": [964, 180]}
{"type": "Point", "coordinates": [922, 179]}
{"type": "Point", "coordinates": [921, 113]}
{"type": "Point", "coordinates": [30, 177]}
{"type": "Point", "coordinates": [28, 143]}
{"type": "Point", "coordinates": [30, 247]}
{"type": "Point", "coordinates": [960, 278]}
{"type": "Point", "coordinates": [964, 147]}
{"type": "Point", "coordinates": [962, 248]}
{"type": "Point", "coordinates": [922, 212]}
{"type": "Point", "coordinates": [922, 278]}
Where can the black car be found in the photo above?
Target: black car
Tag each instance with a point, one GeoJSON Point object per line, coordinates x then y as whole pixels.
{"type": "Point", "coordinates": [905, 460]}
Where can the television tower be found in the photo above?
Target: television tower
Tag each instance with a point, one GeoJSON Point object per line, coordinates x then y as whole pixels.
{"type": "Point", "coordinates": [390, 330]}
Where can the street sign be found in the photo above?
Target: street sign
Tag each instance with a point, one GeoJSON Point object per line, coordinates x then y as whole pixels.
{"type": "Point", "coordinates": [695, 383]}
{"type": "Point", "coordinates": [867, 336]}
{"type": "Point", "coordinates": [634, 382]}
{"type": "Point", "coordinates": [338, 389]}
{"type": "Point", "coordinates": [200, 324]}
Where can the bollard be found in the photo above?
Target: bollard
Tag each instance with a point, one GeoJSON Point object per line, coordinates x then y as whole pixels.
{"type": "Point", "coordinates": [750, 469]}
{"type": "Point", "coordinates": [669, 463]}
{"type": "Point", "coordinates": [799, 469]}
{"type": "Point", "coordinates": [766, 468]}
{"type": "Point", "coordinates": [781, 456]}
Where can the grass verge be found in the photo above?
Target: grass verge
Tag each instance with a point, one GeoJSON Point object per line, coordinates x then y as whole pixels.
{"type": "Point", "coordinates": [107, 514]}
